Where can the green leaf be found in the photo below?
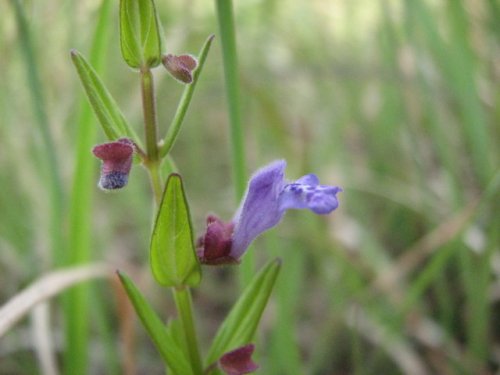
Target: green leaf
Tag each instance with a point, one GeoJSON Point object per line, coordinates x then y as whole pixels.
{"type": "Point", "coordinates": [140, 33]}
{"type": "Point", "coordinates": [241, 323]}
{"type": "Point", "coordinates": [109, 115]}
{"type": "Point", "coordinates": [173, 257]}
{"type": "Point", "coordinates": [150, 33]}
{"type": "Point", "coordinates": [129, 42]}
{"type": "Point", "coordinates": [187, 95]}
{"type": "Point", "coordinates": [163, 339]}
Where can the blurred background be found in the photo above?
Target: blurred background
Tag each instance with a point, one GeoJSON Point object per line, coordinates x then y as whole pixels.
{"type": "Point", "coordinates": [397, 101]}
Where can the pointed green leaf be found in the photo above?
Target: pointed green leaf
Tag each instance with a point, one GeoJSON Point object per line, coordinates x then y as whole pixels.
{"type": "Point", "coordinates": [150, 33]}
{"type": "Point", "coordinates": [140, 38]}
{"type": "Point", "coordinates": [173, 257]}
{"type": "Point", "coordinates": [241, 323]}
{"type": "Point", "coordinates": [162, 338]}
{"type": "Point", "coordinates": [187, 95]}
{"type": "Point", "coordinates": [129, 31]}
{"type": "Point", "coordinates": [104, 106]}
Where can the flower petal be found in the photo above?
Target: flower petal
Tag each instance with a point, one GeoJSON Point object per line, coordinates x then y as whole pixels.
{"type": "Point", "coordinates": [113, 180]}
{"type": "Point", "coordinates": [307, 193]}
{"type": "Point", "coordinates": [260, 209]}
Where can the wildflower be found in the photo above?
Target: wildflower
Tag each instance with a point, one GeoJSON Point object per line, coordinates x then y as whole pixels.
{"type": "Point", "coordinates": [267, 198]}
{"type": "Point", "coordinates": [116, 163]}
{"type": "Point", "coordinates": [238, 361]}
{"type": "Point", "coordinates": [180, 67]}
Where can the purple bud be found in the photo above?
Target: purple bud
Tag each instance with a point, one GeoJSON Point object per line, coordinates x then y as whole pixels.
{"type": "Point", "coordinates": [238, 361]}
{"type": "Point", "coordinates": [180, 67]}
{"type": "Point", "coordinates": [215, 245]}
{"type": "Point", "coordinates": [116, 163]}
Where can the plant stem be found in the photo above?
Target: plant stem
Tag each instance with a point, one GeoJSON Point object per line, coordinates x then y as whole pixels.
{"type": "Point", "coordinates": [149, 110]}
{"type": "Point", "coordinates": [156, 181]}
{"type": "Point", "coordinates": [182, 296]}
{"type": "Point", "coordinates": [184, 305]}
{"type": "Point", "coordinates": [151, 131]}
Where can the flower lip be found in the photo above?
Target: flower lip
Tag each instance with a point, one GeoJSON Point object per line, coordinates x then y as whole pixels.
{"type": "Point", "coordinates": [306, 192]}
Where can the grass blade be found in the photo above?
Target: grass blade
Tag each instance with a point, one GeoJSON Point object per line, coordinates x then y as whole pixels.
{"type": "Point", "coordinates": [230, 61]}
{"type": "Point", "coordinates": [80, 221]}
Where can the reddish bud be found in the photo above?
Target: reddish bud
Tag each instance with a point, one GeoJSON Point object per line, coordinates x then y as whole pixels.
{"type": "Point", "coordinates": [214, 246]}
{"type": "Point", "coordinates": [238, 361]}
{"type": "Point", "coordinates": [116, 163]}
{"type": "Point", "coordinates": [180, 67]}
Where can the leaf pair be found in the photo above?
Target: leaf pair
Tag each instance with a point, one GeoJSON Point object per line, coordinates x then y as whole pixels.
{"type": "Point", "coordinates": [237, 329]}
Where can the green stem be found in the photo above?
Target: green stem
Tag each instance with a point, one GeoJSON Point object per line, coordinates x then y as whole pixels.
{"type": "Point", "coordinates": [184, 305]}
{"type": "Point", "coordinates": [182, 296]}
{"type": "Point", "coordinates": [151, 131]}
{"type": "Point", "coordinates": [149, 110]}
{"type": "Point", "coordinates": [156, 181]}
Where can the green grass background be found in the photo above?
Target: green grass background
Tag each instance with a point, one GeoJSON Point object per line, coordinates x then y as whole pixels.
{"type": "Point", "coordinates": [398, 102]}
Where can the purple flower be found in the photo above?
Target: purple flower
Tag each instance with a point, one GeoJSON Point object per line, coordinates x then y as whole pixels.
{"type": "Point", "coordinates": [116, 163]}
{"type": "Point", "coordinates": [267, 198]}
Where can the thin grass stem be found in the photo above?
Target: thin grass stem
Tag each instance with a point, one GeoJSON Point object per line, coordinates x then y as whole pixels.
{"type": "Point", "coordinates": [80, 211]}
{"type": "Point", "coordinates": [230, 61]}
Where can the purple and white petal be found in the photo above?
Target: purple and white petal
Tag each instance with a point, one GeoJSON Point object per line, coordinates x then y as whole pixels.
{"type": "Point", "coordinates": [307, 193]}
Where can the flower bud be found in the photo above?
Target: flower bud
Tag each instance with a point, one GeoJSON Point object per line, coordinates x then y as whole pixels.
{"type": "Point", "coordinates": [238, 361]}
{"type": "Point", "coordinates": [214, 246]}
{"type": "Point", "coordinates": [116, 163]}
{"type": "Point", "coordinates": [180, 67]}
